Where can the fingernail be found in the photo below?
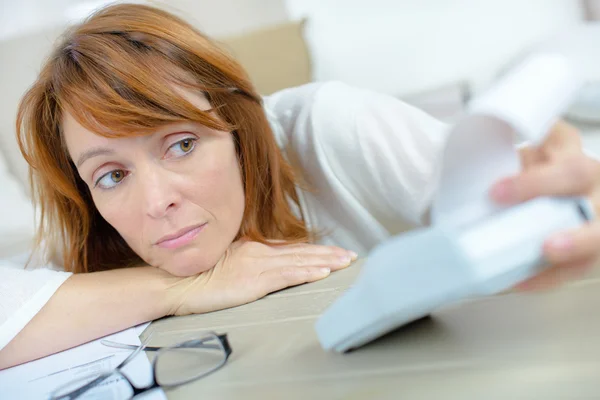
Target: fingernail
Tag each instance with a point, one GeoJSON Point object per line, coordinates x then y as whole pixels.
{"type": "Point", "coordinates": [504, 191]}
{"type": "Point", "coordinates": [560, 243]}
{"type": "Point", "coordinates": [353, 255]}
{"type": "Point", "coordinates": [324, 271]}
{"type": "Point", "coordinates": [345, 260]}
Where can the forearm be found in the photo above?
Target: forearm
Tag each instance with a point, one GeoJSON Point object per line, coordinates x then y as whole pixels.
{"type": "Point", "coordinates": [89, 306]}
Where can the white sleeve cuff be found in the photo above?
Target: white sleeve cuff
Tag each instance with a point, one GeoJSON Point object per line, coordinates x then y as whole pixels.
{"type": "Point", "coordinates": [18, 318]}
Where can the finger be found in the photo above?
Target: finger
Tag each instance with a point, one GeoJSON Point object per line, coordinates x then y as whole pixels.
{"type": "Point", "coordinates": [307, 248]}
{"type": "Point", "coordinates": [573, 245]}
{"type": "Point", "coordinates": [563, 141]}
{"type": "Point", "coordinates": [557, 274]}
{"type": "Point", "coordinates": [530, 156]}
{"type": "Point", "coordinates": [572, 176]}
{"type": "Point", "coordinates": [281, 278]}
{"type": "Point", "coordinates": [276, 242]}
{"type": "Point", "coordinates": [331, 261]}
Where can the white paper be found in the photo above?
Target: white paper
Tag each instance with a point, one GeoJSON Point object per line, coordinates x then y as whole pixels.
{"type": "Point", "coordinates": [37, 379]}
{"type": "Point", "coordinates": [480, 149]}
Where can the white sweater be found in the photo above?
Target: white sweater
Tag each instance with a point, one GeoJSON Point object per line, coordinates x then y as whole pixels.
{"type": "Point", "coordinates": [368, 158]}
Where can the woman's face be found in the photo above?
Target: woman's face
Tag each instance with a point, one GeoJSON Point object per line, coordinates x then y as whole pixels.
{"type": "Point", "coordinates": [175, 196]}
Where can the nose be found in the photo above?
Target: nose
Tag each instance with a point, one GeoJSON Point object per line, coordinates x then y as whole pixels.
{"type": "Point", "coordinates": [159, 195]}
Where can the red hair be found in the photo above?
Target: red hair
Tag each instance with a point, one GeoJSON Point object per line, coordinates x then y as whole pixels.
{"type": "Point", "coordinates": [115, 73]}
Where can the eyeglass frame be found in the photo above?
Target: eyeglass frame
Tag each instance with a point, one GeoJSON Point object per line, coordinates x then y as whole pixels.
{"type": "Point", "coordinates": [222, 338]}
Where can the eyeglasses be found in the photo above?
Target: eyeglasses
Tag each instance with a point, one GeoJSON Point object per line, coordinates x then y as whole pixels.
{"type": "Point", "coordinates": [172, 366]}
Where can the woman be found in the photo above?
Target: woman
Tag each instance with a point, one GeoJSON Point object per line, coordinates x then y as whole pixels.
{"type": "Point", "coordinates": [169, 187]}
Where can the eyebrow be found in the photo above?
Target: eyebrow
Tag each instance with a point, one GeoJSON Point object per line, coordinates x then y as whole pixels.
{"type": "Point", "coordinates": [94, 152]}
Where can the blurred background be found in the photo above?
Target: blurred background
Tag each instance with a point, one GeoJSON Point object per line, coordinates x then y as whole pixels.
{"type": "Point", "coordinates": [435, 54]}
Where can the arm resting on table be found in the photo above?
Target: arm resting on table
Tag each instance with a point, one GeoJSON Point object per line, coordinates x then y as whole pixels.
{"type": "Point", "coordinates": [89, 306]}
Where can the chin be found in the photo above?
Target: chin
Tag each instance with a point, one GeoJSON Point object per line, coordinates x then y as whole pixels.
{"type": "Point", "coordinates": [190, 263]}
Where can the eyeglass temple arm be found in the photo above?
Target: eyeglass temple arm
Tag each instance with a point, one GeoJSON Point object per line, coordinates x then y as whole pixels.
{"type": "Point", "coordinates": [190, 344]}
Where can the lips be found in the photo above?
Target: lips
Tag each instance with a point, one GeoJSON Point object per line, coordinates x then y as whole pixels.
{"type": "Point", "coordinates": [181, 237]}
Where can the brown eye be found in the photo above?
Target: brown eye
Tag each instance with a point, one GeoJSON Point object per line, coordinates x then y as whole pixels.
{"type": "Point", "coordinates": [111, 179]}
{"type": "Point", "coordinates": [181, 148]}
{"type": "Point", "coordinates": [186, 145]}
{"type": "Point", "coordinates": [117, 176]}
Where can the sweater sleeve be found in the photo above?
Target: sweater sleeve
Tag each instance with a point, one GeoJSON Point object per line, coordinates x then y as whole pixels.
{"type": "Point", "coordinates": [23, 293]}
{"type": "Point", "coordinates": [384, 152]}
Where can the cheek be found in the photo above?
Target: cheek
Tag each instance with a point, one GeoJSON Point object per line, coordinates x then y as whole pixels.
{"type": "Point", "coordinates": [121, 218]}
{"type": "Point", "coordinates": [219, 185]}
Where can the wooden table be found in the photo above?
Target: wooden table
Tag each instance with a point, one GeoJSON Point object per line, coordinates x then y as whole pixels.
{"type": "Point", "coordinates": [515, 346]}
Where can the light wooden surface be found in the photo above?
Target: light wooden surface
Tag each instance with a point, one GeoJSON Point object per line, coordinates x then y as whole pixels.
{"type": "Point", "coordinates": [514, 346]}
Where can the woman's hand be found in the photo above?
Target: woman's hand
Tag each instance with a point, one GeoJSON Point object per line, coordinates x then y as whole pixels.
{"type": "Point", "coordinates": [250, 270]}
{"type": "Point", "coordinates": [558, 167]}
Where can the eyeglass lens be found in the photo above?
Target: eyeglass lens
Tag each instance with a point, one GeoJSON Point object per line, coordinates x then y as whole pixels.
{"type": "Point", "coordinates": [189, 360]}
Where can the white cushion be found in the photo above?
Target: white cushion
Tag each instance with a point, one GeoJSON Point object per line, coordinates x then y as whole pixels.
{"type": "Point", "coordinates": [16, 215]}
{"type": "Point", "coordinates": [405, 46]}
